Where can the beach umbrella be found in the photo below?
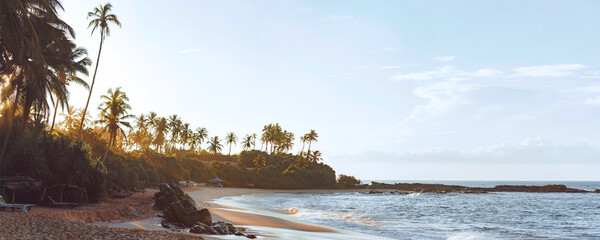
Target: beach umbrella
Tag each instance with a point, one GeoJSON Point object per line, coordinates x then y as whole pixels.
{"type": "Point", "coordinates": [217, 179]}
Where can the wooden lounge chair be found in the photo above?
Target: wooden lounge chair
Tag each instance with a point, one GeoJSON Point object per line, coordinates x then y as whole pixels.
{"type": "Point", "coordinates": [62, 204]}
{"type": "Point", "coordinates": [4, 205]}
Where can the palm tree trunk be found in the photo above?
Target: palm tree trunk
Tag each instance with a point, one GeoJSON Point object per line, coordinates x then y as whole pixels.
{"type": "Point", "coordinates": [108, 148]}
{"type": "Point", "coordinates": [92, 86]}
{"type": "Point", "coordinates": [309, 142]}
{"type": "Point", "coordinates": [230, 149]}
{"type": "Point", "coordinates": [302, 151]}
{"type": "Point", "coordinates": [54, 118]}
{"type": "Point", "coordinates": [10, 124]}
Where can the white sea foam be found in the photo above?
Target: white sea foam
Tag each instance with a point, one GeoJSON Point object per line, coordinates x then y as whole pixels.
{"type": "Point", "coordinates": [468, 236]}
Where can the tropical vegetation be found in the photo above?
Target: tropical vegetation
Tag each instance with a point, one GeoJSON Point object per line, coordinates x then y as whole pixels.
{"type": "Point", "coordinates": [115, 151]}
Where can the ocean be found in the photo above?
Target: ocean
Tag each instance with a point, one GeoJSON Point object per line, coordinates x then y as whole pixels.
{"type": "Point", "coordinates": [450, 216]}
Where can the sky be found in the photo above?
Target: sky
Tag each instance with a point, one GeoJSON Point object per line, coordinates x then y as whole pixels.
{"type": "Point", "coordinates": [397, 90]}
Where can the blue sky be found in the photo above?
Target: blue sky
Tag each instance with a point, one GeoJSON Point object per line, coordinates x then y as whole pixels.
{"type": "Point", "coordinates": [438, 90]}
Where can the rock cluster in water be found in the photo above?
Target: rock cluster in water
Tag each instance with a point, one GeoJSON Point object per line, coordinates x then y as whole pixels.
{"type": "Point", "coordinates": [179, 210]}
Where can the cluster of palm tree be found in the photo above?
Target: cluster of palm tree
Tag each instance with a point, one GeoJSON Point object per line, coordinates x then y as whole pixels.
{"type": "Point", "coordinates": [38, 60]}
{"type": "Point", "coordinates": [279, 140]}
{"type": "Point", "coordinates": [166, 134]}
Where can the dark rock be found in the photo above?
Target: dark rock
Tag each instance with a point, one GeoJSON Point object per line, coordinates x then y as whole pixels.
{"type": "Point", "coordinates": [165, 224]}
{"type": "Point", "coordinates": [230, 227]}
{"type": "Point", "coordinates": [252, 236]}
{"type": "Point", "coordinates": [199, 228]}
{"type": "Point", "coordinates": [239, 234]}
{"type": "Point", "coordinates": [203, 216]}
{"type": "Point", "coordinates": [221, 228]}
{"type": "Point", "coordinates": [177, 206]}
{"type": "Point", "coordinates": [597, 191]}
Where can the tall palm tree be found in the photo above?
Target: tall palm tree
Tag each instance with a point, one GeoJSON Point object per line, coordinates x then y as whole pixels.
{"type": "Point", "coordinates": [201, 134]}
{"type": "Point", "coordinates": [214, 145]}
{"type": "Point", "coordinates": [253, 140]}
{"type": "Point", "coordinates": [304, 140]}
{"type": "Point", "coordinates": [266, 136]}
{"type": "Point", "coordinates": [186, 134]}
{"type": "Point", "coordinates": [247, 142]}
{"type": "Point", "coordinates": [193, 141]}
{"type": "Point", "coordinates": [230, 138]}
{"type": "Point", "coordinates": [161, 128]}
{"type": "Point", "coordinates": [287, 142]}
{"type": "Point", "coordinates": [311, 137]}
{"type": "Point", "coordinates": [78, 64]}
{"type": "Point", "coordinates": [101, 18]}
{"type": "Point", "coordinates": [114, 115]}
{"type": "Point", "coordinates": [152, 117]}
{"type": "Point", "coordinates": [141, 123]}
{"type": "Point", "coordinates": [33, 43]}
{"type": "Point", "coordinates": [175, 128]}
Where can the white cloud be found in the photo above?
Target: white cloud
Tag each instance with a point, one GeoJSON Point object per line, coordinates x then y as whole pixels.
{"type": "Point", "coordinates": [592, 101]}
{"type": "Point", "coordinates": [528, 151]}
{"type": "Point", "coordinates": [399, 66]}
{"type": "Point", "coordinates": [338, 18]}
{"type": "Point", "coordinates": [557, 70]}
{"type": "Point", "coordinates": [189, 50]}
{"type": "Point", "coordinates": [443, 72]}
{"type": "Point", "coordinates": [445, 58]}
{"type": "Point", "coordinates": [487, 73]}
{"type": "Point", "coordinates": [442, 98]}
{"type": "Point", "coordinates": [446, 72]}
{"type": "Point", "coordinates": [592, 74]}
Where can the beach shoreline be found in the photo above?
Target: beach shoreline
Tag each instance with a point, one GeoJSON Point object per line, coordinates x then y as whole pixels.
{"type": "Point", "coordinates": [261, 224]}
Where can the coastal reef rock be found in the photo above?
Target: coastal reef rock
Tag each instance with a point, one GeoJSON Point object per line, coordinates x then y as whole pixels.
{"type": "Point", "coordinates": [177, 206]}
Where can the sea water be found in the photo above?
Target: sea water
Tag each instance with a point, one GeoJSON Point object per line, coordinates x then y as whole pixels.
{"type": "Point", "coordinates": [450, 216]}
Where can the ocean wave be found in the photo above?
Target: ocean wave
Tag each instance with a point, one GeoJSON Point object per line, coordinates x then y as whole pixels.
{"type": "Point", "coordinates": [334, 216]}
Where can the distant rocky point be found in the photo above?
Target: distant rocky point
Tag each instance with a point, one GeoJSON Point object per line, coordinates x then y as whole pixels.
{"type": "Point", "coordinates": [442, 188]}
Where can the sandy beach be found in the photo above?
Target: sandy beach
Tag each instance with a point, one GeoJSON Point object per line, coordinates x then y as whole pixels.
{"type": "Point", "coordinates": [134, 218]}
{"type": "Point", "coordinates": [53, 223]}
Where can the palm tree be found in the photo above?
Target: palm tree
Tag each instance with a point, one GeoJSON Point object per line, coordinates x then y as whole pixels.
{"type": "Point", "coordinates": [247, 142]}
{"type": "Point", "coordinates": [79, 63]}
{"type": "Point", "coordinates": [287, 142]}
{"type": "Point", "coordinates": [229, 139]}
{"type": "Point", "coordinates": [175, 128]}
{"type": "Point", "coordinates": [311, 137]}
{"type": "Point", "coordinates": [214, 145]}
{"type": "Point", "coordinates": [185, 134]}
{"type": "Point", "coordinates": [160, 129]}
{"type": "Point", "coordinates": [253, 140]}
{"type": "Point", "coordinates": [314, 156]}
{"type": "Point", "coordinates": [303, 139]}
{"type": "Point", "coordinates": [266, 136]}
{"type": "Point", "coordinates": [193, 141]}
{"type": "Point", "coordinates": [114, 114]}
{"type": "Point", "coordinates": [152, 117]}
{"type": "Point", "coordinates": [33, 45]}
{"type": "Point", "coordinates": [201, 134]}
{"type": "Point", "coordinates": [101, 19]}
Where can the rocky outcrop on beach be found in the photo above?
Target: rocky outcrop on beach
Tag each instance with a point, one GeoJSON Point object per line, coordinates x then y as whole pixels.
{"type": "Point", "coordinates": [179, 211]}
{"type": "Point", "coordinates": [441, 188]}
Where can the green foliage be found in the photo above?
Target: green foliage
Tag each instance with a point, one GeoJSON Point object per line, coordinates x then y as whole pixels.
{"type": "Point", "coordinates": [348, 181]}
{"type": "Point", "coordinates": [55, 159]}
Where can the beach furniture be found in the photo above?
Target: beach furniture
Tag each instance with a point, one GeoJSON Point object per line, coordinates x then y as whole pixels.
{"type": "Point", "coordinates": [62, 204]}
{"type": "Point", "coordinates": [4, 205]}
